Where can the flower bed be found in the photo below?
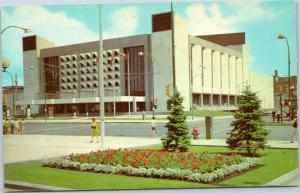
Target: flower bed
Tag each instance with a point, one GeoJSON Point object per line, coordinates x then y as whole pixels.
{"type": "Point", "coordinates": [197, 167]}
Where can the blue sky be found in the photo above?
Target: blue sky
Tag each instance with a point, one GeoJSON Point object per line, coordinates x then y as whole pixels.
{"type": "Point", "coordinates": [67, 24]}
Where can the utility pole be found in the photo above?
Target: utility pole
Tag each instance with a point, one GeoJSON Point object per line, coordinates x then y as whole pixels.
{"type": "Point", "coordinates": [101, 79]}
{"type": "Point", "coordinates": [173, 46]}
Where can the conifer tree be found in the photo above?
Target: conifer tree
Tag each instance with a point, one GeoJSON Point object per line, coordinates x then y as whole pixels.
{"type": "Point", "coordinates": [248, 128]}
{"type": "Point", "coordinates": [177, 138]}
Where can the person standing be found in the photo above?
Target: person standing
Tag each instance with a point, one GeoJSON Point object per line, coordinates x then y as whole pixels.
{"type": "Point", "coordinates": [95, 130]}
{"type": "Point", "coordinates": [143, 115]}
{"type": "Point", "coordinates": [294, 124]}
{"type": "Point", "coordinates": [6, 126]}
{"type": "Point", "coordinates": [153, 128]}
{"type": "Point", "coordinates": [21, 126]}
{"type": "Point", "coordinates": [273, 115]}
{"type": "Point", "coordinates": [13, 126]}
{"type": "Point", "coordinates": [278, 117]}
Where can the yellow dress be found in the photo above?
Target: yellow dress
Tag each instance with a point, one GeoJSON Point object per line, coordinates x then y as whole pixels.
{"type": "Point", "coordinates": [95, 129]}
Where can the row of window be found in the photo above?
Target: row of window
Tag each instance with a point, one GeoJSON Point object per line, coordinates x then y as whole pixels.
{"type": "Point", "coordinates": [109, 61]}
{"type": "Point", "coordinates": [84, 56]}
{"type": "Point", "coordinates": [89, 71]}
{"type": "Point", "coordinates": [89, 85]}
{"type": "Point", "coordinates": [89, 78]}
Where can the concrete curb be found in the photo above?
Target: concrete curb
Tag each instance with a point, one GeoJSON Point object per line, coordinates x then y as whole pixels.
{"type": "Point", "coordinates": [26, 186]}
{"type": "Point", "coordinates": [285, 179]}
{"type": "Point", "coordinates": [120, 120]}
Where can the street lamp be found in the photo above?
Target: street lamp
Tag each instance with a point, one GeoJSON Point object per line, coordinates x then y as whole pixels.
{"type": "Point", "coordinates": [5, 65]}
{"type": "Point", "coordinates": [280, 36]}
{"type": "Point", "coordinates": [26, 30]}
{"type": "Point", "coordinates": [126, 56]}
{"type": "Point", "coordinates": [152, 107]}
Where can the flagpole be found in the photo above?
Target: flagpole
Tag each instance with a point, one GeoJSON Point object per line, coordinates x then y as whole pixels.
{"type": "Point", "coordinates": [100, 79]}
{"type": "Point", "coordinates": [173, 47]}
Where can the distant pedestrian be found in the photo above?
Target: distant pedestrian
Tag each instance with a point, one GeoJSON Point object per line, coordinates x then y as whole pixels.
{"type": "Point", "coordinates": [195, 132]}
{"type": "Point", "coordinates": [143, 115]}
{"type": "Point", "coordinates": [273, 116]}
{"type": "Point", "coordinates": [95, 130]}
{"type": "Point", "coordinates": [294, 124]}
{"type": "Point", "coordinates": [153, 128]}
{"type": "Point", "coordinates": [13, 126]}
{"type": "Point", "coordinates": [278, 117]}
{"type": "Point", "coordinates": [6, 126]}
{"type": "Point", "coordinates": [21, 126]}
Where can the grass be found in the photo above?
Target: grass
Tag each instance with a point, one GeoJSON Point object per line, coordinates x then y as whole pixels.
{"type": "Point", "coordinates": [209, 113]}
{"type": "Point", "coordinates": [276, 162]}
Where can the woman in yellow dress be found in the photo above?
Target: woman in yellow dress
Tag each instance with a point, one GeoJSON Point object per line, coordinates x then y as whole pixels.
{"type": "Point", "coordinates": [95, 130]}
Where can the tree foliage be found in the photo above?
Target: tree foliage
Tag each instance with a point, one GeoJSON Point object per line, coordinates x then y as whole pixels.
{"type": "Point", "coordinates": [177, 138]}
{"type": "Point", "coordinates": [248, 128]}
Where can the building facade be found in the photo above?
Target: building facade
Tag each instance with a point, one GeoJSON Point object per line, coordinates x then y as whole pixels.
{"type": "Point", "coordinates": [281, 93]}
{"type": "Point", "coordinates": [11, 94]}
{"type": "Point", "coordinates": [209, 71]}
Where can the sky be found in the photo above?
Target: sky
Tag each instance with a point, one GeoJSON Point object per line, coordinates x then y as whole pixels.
{"type": "Point", "coordinates": [262, 21]}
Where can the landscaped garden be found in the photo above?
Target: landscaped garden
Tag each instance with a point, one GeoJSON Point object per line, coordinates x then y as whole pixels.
{"type": "Point", "coordinates": [190, 166]}
{"type": "Point", "coordinates": [274, 163]}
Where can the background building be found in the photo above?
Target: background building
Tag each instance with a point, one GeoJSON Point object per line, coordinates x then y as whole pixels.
{"type": "Point", "coordinates": [12, 94]}
{"type": "Point", "coordinates": [281, 92]}
{"type": "Point", "coordinates": [209, 71]}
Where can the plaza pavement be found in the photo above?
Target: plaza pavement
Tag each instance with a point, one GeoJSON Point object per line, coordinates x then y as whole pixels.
{"type": "Point", "coordinates": [22, 148]}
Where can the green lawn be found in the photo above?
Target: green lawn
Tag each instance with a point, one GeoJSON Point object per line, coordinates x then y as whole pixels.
{"type": "Point", "coordinates": [209, 113]}
{"type": "Point", "coordinates": [276, 163]}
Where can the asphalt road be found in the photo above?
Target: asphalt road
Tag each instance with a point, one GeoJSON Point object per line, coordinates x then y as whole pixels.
{"type": "Point", "coordinates": [220, 129]}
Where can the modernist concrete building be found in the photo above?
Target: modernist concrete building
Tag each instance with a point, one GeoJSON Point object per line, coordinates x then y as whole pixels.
{"type": "Point", "coordinates": [209, 71]}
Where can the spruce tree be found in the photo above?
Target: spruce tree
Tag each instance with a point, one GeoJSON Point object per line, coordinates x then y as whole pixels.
{"type": "Point", "coordinates": [177, 138]}
{"type": "Point", "coordinates": [248, 128]}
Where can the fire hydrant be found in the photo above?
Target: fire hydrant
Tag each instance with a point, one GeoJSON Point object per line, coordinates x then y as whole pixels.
{"type": "Point", "coordinates": [195, 132]}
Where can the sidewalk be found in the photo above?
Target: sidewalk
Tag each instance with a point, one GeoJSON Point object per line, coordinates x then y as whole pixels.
{"type": "Point", "coordinates": [222, 142]}
{"type": "Point", "coordinates": [19, 148]}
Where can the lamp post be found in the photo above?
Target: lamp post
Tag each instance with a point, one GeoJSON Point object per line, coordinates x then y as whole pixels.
{"type": "Point", "coordinates": [101, 79]}
{"type": "Point", "coordinates": [26, 30]}
{"type": "Point", "coordinates": [5, 65]}
{"type": "Point", "coordinates": [126, 56]}
{"type": "Point", "coordinates": [280, 36]}
{"type": "Point", "coordinates": [152, 107]}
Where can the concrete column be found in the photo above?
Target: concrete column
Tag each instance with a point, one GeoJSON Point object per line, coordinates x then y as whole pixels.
{"type": "Point", "coordinates": [212, 78]}
{"type": "Point", "coordinates": [220, 99]}
{"type": "Point", "coordinates": [201, 99]}
{"type": "Point", "coordinates": [236, 83]}
{"type": "Point", "coordinates": [235, 100]}
{"type": "Point", "coordinates": [202, 71]}
{"type": "Point", "coordinates": [228, 98]}
{"type": "Point", "coordinates": [134, 105]}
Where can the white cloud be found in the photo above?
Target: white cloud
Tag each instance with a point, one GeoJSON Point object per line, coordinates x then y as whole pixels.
{"type": "Point", "coordinates": [208, 18]}
{"type": "Point", "coordinates": [124, 22]}
{"type": "Point", "coordinates": [54, 26]}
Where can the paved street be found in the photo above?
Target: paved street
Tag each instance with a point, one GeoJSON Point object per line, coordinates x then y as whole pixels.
{"type": "Point", "coordinates": [220, 128]}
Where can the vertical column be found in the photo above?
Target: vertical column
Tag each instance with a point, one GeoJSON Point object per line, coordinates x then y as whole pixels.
{"type": "Point", "coordinates": [212, 78]}
{"type": "Point", "coordinates": [134, 104]}
{"type": "Point", "coordinates": [236, 84]}
{"type": "Point", "coordinates": [220, 97]}
{"type": "Point", "coordinates": [202, 77]}
{"type": "Point", "coordinates": [228, 98]}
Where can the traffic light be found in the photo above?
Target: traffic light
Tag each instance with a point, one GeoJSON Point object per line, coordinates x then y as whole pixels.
{"type": "Point", "coordinates": [168, 90]}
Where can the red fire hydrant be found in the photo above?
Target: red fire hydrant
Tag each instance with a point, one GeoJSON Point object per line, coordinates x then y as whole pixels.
{"type": "Point", "coordinates": [195, 132]}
